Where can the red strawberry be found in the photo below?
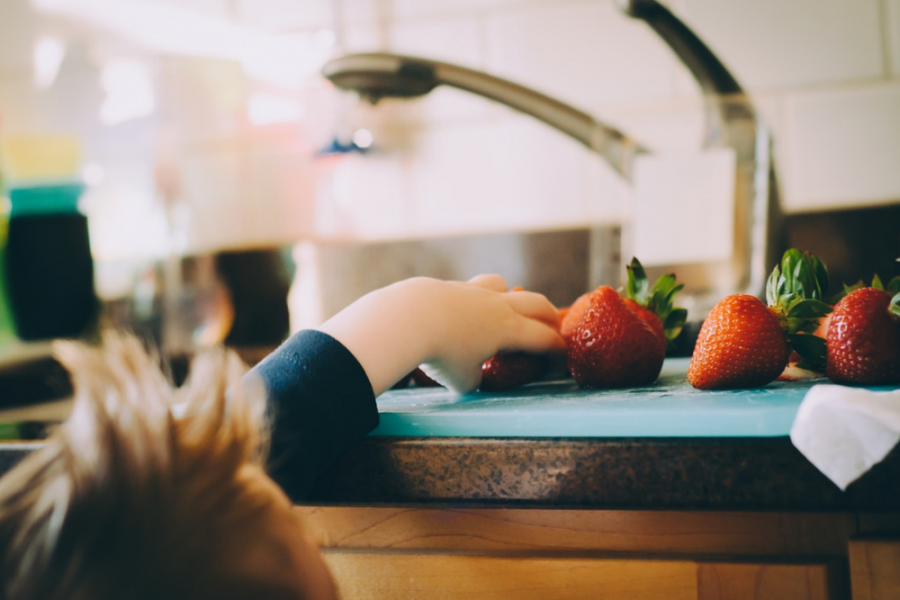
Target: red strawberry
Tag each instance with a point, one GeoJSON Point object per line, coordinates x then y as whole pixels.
{"type": "Point", "coordinates": [612, 346]}
{"type": "Point", "coordinates": [864, 339]}
{"type": "Point", "coordinates": [650, 318]}
{"type": "Point", "coordinates": [422, 380]}
{"type": "Point", "coordinates": [570, 317]}
{"type": "Point", "coordinates": [892, 288]}
{"type": "Point", "coordinates": [654, 306]}
{"type": "Point", "coordinates": [744, 343]}
{"type": "Point", "coordinates": [506, 371]}
{"type": "Point", "coordinates": [741, 344]}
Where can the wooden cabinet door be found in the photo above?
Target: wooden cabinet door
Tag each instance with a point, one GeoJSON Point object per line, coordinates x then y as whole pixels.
{"type": "Point", "coordinates": [875, 568]}
{"type": "Point", "coordinates": [393, 575]}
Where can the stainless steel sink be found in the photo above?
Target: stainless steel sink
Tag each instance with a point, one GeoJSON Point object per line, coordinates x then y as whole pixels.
{"type": "Point", "coordinates": [559, 264]}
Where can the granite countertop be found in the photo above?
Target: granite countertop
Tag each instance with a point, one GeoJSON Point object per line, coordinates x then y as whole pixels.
{"type": "Point", "coordinates": [623, 473]}
{"type": "Point", "coordinates": [663, 446]}
{"type": "Point", "coordinates": [627, 473]}
{"type": "Point", "coordinates": [502, 450]}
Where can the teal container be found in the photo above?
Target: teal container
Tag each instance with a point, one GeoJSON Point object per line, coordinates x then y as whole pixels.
{"type": "Point", "coordinates": [61, 199]}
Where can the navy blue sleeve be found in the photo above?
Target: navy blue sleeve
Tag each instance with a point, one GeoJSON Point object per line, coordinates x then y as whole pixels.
{"type": "Point", "coordinates": [320, 402]}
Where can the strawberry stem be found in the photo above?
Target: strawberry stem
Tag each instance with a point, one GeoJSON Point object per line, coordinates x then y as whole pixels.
{"type": "Point", "coordinates": [812, 350]}
{"type": "Point", "coordinates": [637, 284]}
{"type": "Point", "coordinates": [892, 287]}
{"type": "Point", "coordinates": [659, 299]}
{"type": "Point", "coordinates": [795, 290]}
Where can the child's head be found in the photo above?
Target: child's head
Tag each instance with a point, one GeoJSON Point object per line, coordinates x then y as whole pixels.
{"type": "Point", "coordinates": [151, 492]}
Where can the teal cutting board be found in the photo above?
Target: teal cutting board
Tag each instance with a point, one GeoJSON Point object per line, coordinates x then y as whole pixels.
{"type": "Point", "coordinates": [668, 408]}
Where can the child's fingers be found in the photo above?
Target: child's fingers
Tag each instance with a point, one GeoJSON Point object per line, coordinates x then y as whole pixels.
{"type": "Point", "coordinates": [494, 283]}
{"type": "Point", "coordinates": [534, 306]}
{"type": "Point", "coordinates": [537, 337]}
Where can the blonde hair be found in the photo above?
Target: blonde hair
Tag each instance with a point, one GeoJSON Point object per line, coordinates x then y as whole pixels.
{"type": "Point", "coordinates": [138, 494]}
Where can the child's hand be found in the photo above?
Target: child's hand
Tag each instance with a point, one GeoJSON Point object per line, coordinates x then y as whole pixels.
{"type": "Point", "coordinates": [449, 327]}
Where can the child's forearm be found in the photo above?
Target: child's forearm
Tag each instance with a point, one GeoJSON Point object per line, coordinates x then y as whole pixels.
{"type": "Point", "coordinates": [386, 331]}
{"type": "Point", "coordinates": [449, 327]}
{"type": "Point", "coordinates": [321, 385]}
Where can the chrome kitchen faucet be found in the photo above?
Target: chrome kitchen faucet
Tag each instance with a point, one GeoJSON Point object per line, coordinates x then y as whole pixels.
{"type": "Point", "coordinates": [730, 121]}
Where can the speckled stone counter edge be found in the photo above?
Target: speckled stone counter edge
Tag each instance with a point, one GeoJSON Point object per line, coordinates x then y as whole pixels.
{"type": "Point", "coordinates": [647, 474]}
{"type": "Point", "coordinates": [669, 473]}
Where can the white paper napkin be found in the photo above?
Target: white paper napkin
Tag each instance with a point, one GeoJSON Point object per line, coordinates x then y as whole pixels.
{"type": "Point", "coordinates": [844, 431]}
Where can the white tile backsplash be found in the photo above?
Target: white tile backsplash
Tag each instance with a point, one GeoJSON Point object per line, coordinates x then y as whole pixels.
{"type": "Point", "coordinates": [504, 174]}
{"type": "Point", "coordinates": [16, 41]}
{"type": "Point", "coordinates": [215, 8]}
{"type": "Point", "coordinates": [675, 127]}
{"type": "Point", "coordinates": [286, 15]}
{"type": "Point", "coordinates": [363, 196]}
{"type": "Point", "coordinates": [811, 67]}
{"type": "Point", "coordinates": [607, 197]}
{"type": "Point", "coordinates": [824, 74]}
{"type": "Point", "coordinates": [362, 37]}
{"type": "Point", "coordinates": [583, 53]}
{"type": "Point", "coordinates": [17, 98]}
{"type": "Point", "coordinates": [774, 44]}
{"type": "Point", "coordinates": [453, 39]}
{"type": "Point", "coordinates": [843, 147]}
{"type": "Point", "coordinates": [892, 34]}
{"type": "Point", "coordinates": [432, 8]}
{"type": "Point", "coordinates": [246, 192]}
{"type": "Point", "coordinates": [355, 11]}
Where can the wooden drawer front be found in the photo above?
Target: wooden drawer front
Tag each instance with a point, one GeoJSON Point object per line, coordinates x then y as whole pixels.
{"type": "Point", "coordinates": [674, 534]}
{"type": "Point", "coordinates": [875, 569]}
{"type": "Point", "coordinates": [744, 581]}
{"type": "Point", "coordinates": [382, 576]}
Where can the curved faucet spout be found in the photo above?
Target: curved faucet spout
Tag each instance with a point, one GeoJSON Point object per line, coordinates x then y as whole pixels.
{"type": "Point", "coordinates": [718, 85]}
{"type": "Point", "coordinates": [380, 75]}
{"type": "Point", "coordinates": [731, 122]}
{"type": "Point", "coordinates": [712, 76]}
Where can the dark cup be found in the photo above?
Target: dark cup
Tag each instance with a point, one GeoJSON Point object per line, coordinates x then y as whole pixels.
{"type": "Point", "coordinates": [48, 267]}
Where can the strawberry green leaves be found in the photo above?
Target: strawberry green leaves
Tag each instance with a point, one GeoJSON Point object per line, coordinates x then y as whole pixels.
{"type": "Point", "coordinates": [812, 349]}
{"type": "Point", "coordinates": [637, 286]}
{"type": "Point", "coordinates": [892, 287]}
{"type": "Point", "coordinates": [674, 323]}
{"type": "Point", "coordinates": [801, 276]}
{"type": "Point", "coordinates": [803, 319]}
{"type": "Point", "coordinates": [658, 299]}
{"type": "Point", "coordinates": [795, 291]}
{"type": "Point", "coordinates": [804, 315]}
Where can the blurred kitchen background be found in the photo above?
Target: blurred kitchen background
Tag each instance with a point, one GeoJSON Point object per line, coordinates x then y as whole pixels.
{"type": "Point", "coordinates": [231, 192]}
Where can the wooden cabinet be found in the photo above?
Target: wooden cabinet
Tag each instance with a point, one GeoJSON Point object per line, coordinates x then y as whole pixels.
{"type": "Point", "coordinates": [875, 568]}
{"type": "Point", "coordinates": [378, 575]}
{"type": "Point", "coordinates": [379, 553]}
{"type": "Point", "coordinates": [372, 576]}
{"type": "Point", "coordinates": [806, 580]}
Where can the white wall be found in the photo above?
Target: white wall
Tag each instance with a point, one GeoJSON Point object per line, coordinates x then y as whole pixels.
{"type": "Point", "coordinates": [825, 73]}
